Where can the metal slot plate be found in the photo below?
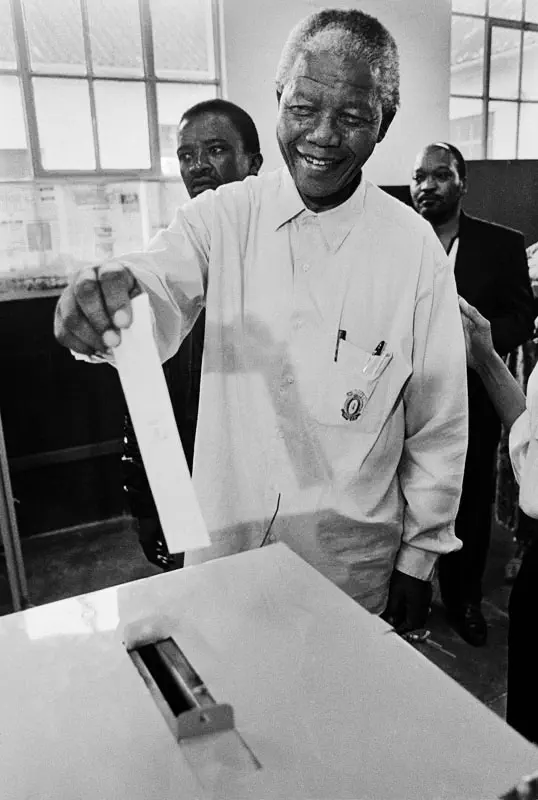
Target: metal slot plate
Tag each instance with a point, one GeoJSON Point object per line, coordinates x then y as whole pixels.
{"type": "Point", "coordinates": [204, 729]}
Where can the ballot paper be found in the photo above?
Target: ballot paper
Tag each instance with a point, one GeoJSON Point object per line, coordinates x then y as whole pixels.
{"type": "Point", "coordinates": [148, 401]}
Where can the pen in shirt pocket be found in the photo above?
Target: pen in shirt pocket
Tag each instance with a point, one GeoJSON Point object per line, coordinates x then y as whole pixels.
{"type": "Point", "coordinates": [372, 362]}
{"type": "Point", "coordinates": [340, 336]}
{"type": "Point", "coordinates": [380, 348]}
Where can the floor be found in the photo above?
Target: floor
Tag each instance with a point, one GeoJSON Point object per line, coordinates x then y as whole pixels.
{"type": "Point", "coordinates": [63, 565]}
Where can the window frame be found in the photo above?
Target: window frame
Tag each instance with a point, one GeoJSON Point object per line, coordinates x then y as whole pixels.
{"type": "Point", "coordinates": [149, 79]}
{"type": "Point", "coordinates": [491, 22]}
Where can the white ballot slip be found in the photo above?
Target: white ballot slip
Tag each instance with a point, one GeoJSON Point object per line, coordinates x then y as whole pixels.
{"type": "Point", "coordinates": [149, 405]}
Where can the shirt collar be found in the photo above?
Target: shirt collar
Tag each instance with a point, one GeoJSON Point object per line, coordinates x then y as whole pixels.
{"type": "Point", "coordinates": [335, 224]}
{"type": "Point", "coordinates": [288, 200]}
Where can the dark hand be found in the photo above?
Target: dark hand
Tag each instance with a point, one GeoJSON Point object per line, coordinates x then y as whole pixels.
{"type": "Point", "coordinates": [94, 307]}
{"type": "Point", "coordinates": [409, 602]}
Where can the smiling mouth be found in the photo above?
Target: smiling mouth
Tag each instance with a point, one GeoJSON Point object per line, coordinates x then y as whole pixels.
{"type": "Point", "coordinates": [318, 163]}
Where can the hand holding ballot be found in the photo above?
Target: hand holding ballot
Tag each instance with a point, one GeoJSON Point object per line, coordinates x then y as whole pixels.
{"type": "Point", "coordinates": [88, 320]}
{"type": "Point", "coordinates": [94, 308]}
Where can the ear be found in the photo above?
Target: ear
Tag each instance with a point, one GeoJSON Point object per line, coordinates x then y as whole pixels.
{"type": "Point", "coordinates": [385, 125]}
{"type": "Point", "coordinates": [463, 187]}
{"type": "Point", "coordinates": [278, 96]}
{"type": "Point", "coordinates": [256, 162]}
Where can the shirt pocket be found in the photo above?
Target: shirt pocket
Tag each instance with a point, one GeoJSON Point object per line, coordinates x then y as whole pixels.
{"type": "Point", "coordinates": [359, 389]}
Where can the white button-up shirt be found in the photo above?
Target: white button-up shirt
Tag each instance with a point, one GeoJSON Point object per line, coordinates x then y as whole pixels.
{"type": "Point", "coordinates": [362, 454]}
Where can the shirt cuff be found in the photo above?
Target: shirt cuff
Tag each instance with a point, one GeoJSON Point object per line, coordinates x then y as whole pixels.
{"type": "Point", "coordinates": [415, 562]}
{"type": "Point", "coordinates": [97, 358]}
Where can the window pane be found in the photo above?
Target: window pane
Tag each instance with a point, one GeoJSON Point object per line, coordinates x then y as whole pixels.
{"type": "Point", "coordinates": [57, 228]}
{"type": "Point", "coordinates": [531, 11]}
{"type": "Point", "coordinates": [466, 127]}
{"type": "Point", "coordinates": [7, 45]}
{"type": "Point", "coordinates": [506, 9]}
{"type": "Point", "coordinates": [528, 126]}
{"type": "Point", "coordinates": [55, 35]}
{"type": "Point", "coordinates": [467, 59]}
{"type": "Point", "coordinates": [115, 37]}
{"type": "Point", "coordinates": [17, 211]}
{"type": "Point", "coordinates": [469, 6]}
{"type": "Point", "coordinates": [182, 37]}
{"type": "Point", "coordinates": [502, 130]}
{"type": "Point", "coordinates": [122, 122]}
{"type": "Point", "coordinates": [162, 200]}
{"type": "Point", "coordinates": [173, 99]}
{"type": "Point", "coordinates": [505, 52]}
{"type": "Point", "coordinates": [64, 123]}
{"type": "Point", "coordinates": [529, 78]}
{"type": "Point", "coordinates": [15, 159]}
{"type": "Point", "coordinates": [103, 220]}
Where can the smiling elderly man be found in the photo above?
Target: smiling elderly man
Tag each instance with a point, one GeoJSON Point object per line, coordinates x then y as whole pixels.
{"type": "Point", "coordinates": [333, 404]}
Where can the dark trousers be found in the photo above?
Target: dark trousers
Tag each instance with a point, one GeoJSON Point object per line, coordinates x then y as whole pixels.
{"type": "Point", "coordinates": [522, 701]}
{"type": "Point", "coordinates": [527, 528]}
{"type": "Point", "coordinates": [460, 574]}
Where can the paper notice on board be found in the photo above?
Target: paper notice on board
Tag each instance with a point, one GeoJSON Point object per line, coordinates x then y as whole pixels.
{"type": "Point", "coordinates": [149, 405]}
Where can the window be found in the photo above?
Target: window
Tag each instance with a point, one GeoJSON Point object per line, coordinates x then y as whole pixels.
{"type": "Point", "coordinates": [94, 87]}
{"type": "Point", "coordinates": [494, 78]}
{"type": "Point", "coordinates": [91, 94]}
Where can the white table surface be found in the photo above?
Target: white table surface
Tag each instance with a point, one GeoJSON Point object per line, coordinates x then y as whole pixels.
{"type": "Point", "coordinates": [330, 700]}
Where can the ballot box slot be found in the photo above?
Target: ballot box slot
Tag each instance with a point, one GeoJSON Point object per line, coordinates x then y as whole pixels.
{"type": "Point", "coordinates": [172, 688]}
{"type": "Point", "coordinates": [178, 690]}
{"type": "Point", "coordinates": [181, 695]}
{"type": "Point", "coordinates": [187, 679]}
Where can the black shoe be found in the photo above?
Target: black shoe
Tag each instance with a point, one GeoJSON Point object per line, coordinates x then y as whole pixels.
{"type": "Point", "coordinates": [469, 622]}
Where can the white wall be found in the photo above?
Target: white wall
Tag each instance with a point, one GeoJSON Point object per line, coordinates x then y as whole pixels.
{"type": "Point", "coordinates": [255, 31]}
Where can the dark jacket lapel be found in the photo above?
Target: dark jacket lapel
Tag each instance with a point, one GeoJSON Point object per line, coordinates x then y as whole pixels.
{"type": "Point", "coordinates": [469, 258]}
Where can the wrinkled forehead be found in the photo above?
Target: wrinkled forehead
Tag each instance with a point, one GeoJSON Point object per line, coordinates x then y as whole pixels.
{"type": "Point", "coordinates": [434, 157]}
{"type": "Point", "coordinates": [207, 127]}
{"type": "Point", "coordinates": [336, 74]}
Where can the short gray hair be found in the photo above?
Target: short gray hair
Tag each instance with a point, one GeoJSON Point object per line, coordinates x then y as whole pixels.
{"type": "Point", "coordinates": [347, 32]}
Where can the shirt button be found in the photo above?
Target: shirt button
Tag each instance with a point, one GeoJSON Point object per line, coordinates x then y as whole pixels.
{"type": "Point", "coordinates": [290, 380]}
{"type": "Point", "coordinates": [306, 267]}
{"type": "Point", "coordinates": [298, 323]}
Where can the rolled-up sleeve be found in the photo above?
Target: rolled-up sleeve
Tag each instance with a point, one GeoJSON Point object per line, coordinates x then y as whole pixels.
{"type": "Point", "coordinates": [174, 272]}
{"type": "Point", "coordinates": [435, 401]}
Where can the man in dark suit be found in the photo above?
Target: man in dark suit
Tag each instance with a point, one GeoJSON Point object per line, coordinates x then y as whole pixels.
{"type": "Point", "coordinates": [491, 273]}
{"type": "Point", "coordinates": [217, 144]}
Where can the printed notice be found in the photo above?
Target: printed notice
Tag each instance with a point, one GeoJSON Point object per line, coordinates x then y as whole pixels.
{"type": "Point", "coordinates": [149, 405]}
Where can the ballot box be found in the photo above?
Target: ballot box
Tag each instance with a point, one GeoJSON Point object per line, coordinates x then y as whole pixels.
{"type": "Point", "coordinates": [298, 693]}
